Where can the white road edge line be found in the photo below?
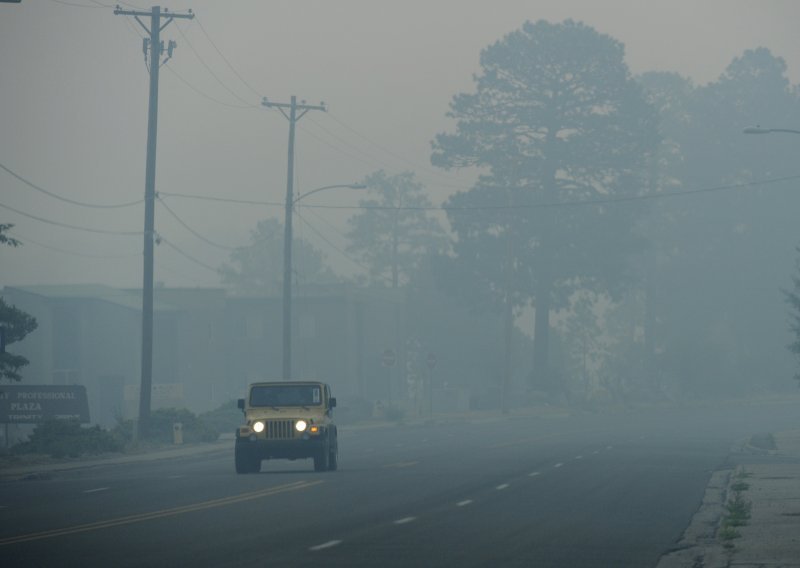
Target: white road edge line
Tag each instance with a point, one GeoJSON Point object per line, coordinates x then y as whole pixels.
{"type": "Point", "coordinates": [559, 464]}
{"type": "Point", "coordinates": [405, 520]}
{"type": "Point", "coordinates": [324, 545]}
{"type": "Point", "coordinates": [464, 503]}
{"type": "Point", "coordinates": [96, 490]}
{"type": "Point", "coordinates": [502, 486]}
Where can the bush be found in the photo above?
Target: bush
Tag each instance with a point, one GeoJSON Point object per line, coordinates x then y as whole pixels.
{"type": "Point", "coordinates": [394, 413]}
{"type": "Point", "coordinates": [61, 438]}
{"type": "Point", "coordinates": [226, 418]}
{"type": "Point", "coordinates": [161, 427]}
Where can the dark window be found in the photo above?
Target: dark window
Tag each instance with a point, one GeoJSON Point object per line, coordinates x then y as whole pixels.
{"type": "Point", "coordinates": [286, 395]}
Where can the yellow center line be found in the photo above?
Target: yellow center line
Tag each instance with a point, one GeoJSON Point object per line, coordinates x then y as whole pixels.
{"type": "Point", "coordinates": [141, 517]}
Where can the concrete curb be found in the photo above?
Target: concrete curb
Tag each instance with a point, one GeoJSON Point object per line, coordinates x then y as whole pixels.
{"type": "Point", "coordinates": [770, 538]}
{"type": "Point", "coordinates": [44, 470]}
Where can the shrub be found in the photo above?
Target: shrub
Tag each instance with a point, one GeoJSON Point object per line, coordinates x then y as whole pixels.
{"type": "Point", "coordinates": [61, 438]}
{"type": "Point", "coordinates": [738, 510]}
{"type": "Point", "coordinates": [394, 413]}
{"type": "Point", "coordinates": [194, 429]}
{"type": "Point", "coordinates": [160, 430]}
{"type": "Point", "coordinates": [226, 418]}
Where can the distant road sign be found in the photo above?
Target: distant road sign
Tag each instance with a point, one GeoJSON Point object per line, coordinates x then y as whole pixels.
{"type": "Point", "coordinates": [431, 361]}
{"type": "Point", "coordinates": [388, 359]}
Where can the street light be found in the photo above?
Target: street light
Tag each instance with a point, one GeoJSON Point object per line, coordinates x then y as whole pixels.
{"type": "Point", "coordinates": [287, 271]}
{"type": "Point", "coordinates": [759, 130]}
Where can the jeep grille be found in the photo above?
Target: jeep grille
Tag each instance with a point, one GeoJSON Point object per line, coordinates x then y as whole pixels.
{"type": "Point", "coordinates": [279, 429]}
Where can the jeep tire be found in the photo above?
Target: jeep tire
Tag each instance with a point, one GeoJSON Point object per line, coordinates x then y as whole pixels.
{"type": "Point", "coordinates": [246, 461]}
{"type": "Point", "coordinates": [333, 459]}
{"type": "Point", "coordinates": [322, 458]}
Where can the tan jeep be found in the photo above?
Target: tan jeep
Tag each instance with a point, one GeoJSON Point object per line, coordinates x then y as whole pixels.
{"type": "Point", "coordinates": [287, 420]}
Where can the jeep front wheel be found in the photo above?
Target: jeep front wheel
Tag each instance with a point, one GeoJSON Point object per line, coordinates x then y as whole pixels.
{"type": "Point", "coordinates": [322, 458]}
{"type": "Point", "coordinates": [246, 461]}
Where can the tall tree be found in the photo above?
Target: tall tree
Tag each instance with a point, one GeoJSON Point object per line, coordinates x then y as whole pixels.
{"type": "Point", "coordinates": [259, 265]}
{"type": "Point", "coordinates": [722, 328]}
{"type": "Point", "coordinates": [393, 232]}
{"type": "Point", "coordinates": [15, 324]}
{"type": "Point", "coordinates": [555, 119]}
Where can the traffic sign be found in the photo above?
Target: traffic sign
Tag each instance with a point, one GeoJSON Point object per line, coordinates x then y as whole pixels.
{"type": "Point", "coordinates": [431, 361]}
{"type": "Point", "coordinates": [388, 359]}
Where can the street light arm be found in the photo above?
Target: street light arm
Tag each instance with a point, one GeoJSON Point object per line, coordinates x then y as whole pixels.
{"type": "Point", "coordinates": [313, 191]}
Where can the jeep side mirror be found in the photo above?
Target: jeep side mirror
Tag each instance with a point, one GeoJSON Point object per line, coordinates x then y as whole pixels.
{"type": "Point", "coordinates": [333, 402]}
{"type": "Point", "coordinates": [240, 403]}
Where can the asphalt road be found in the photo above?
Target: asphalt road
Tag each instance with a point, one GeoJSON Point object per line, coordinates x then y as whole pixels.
{"type": "Point", "coordinates": [569, 491]}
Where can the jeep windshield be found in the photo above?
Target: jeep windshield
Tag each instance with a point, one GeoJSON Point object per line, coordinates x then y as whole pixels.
{"type": "Point", "coordinates": [285, 395]}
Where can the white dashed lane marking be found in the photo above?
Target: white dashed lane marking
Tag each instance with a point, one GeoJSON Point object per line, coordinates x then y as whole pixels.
{"type": "Point", "coordinates": [578, 457]}
{"type": "Point", "coordinates": [533, 474]}
{"type": "Point", "coordinates": [559, 464]}
{"type": "Point", "coordinates": [464, 503]}
{"type": "Point", "coordinates": [502, 486]}
{"type": "Point", "coordinates": [324, 545]}
{"type": "Point", "coordinates": [96, 490]}
{"type": "Point", "coordinates": [404, 520]}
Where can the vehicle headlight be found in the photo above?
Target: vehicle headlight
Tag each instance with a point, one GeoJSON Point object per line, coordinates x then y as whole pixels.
{"type": "Point", "coordinates": [258, 426]}
{"type": "Point", "coordinates": [301, 425]}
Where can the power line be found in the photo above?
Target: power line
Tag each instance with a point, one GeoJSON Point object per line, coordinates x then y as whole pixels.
{"type": "Point", "coordinates": [225, 59]}
{"type": "Point", "coordinates": [25, 239]}
{"type": "Point", "coordinates": [222, 199]}
{"type": "Point", "coordinates": [65, 199]}
{"type": "Point", "coordinates": [372, 160]}
{"type": "Point", "coordinates": [330, 225]}
{"type": "Point", "coordinates": [68, 226]}
{"type": "Point", "coordinates": [498, 207]}
{"type": "Point", "coordinates": [174, 272]}
{"type": "Point", "coordinates": [186, 254]}
{"type": "Point", "coordinates": [330, 244]}
{"type": "Point", "coordinates": [211, 72]}
{"type": "Point", "coordinates": [204, 95]}
{"type": "Point", "coordinates": [338, 148]}
{"type": "Point", "coordinates": [555, 204]}
{"type": "Point", "coordinates": [188, 228]}
{"type": "Point", "coordinates": [391, 153]}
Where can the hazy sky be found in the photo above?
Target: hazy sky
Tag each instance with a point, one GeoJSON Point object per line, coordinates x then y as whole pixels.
{"type": "Point", "coordinates": [73, 111]}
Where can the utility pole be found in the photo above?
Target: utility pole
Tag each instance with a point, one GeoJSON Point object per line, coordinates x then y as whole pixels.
{"type": "Point", "coordinates": [292, 117]}
{"type": "Point", "coordinates": [156, 49]}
